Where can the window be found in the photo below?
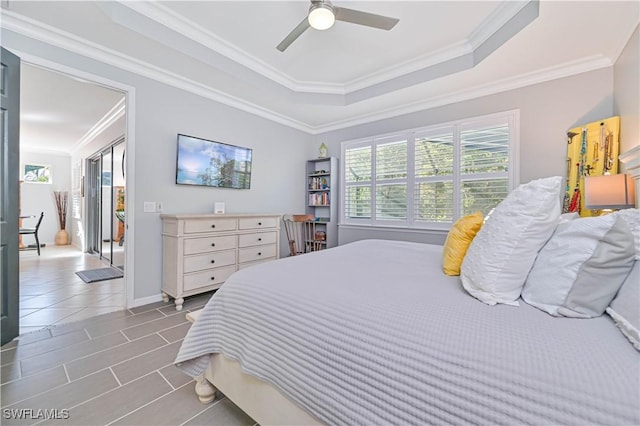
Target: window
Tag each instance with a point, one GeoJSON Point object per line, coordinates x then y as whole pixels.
{"type": "Point", "coordinates": [36, 173]}
{"type": "Point", "coordinates": [429, 177]}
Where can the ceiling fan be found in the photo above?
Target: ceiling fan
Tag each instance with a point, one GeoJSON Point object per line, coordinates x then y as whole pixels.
{"type": "Point", "coordinates": [322, 15]}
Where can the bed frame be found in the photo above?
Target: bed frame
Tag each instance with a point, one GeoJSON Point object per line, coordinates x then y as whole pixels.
{"type": "Point", "coordinates": [261, 401]}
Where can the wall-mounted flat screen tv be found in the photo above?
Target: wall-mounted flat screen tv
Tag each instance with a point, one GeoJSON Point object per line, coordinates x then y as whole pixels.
{"type": "Point", "coordinates": [208, 163]}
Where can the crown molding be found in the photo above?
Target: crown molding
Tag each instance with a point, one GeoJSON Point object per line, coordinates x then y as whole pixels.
{"type": "Point", "coordinates": [113, 115]}
{"type": "Point", "coordinates": [53, 36]}
{"type": "Point", "coordinates": [491, 25]}
{"type": "Point", "coordinates": [567, 69]}
{"type": "Point", "coordinates": [45, 33]}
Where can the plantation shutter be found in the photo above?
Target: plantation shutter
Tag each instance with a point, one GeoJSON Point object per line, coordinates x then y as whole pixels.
{"type": "Point", "coordinates": [484, 166]}
{"type": "Point", "coordinates": [391, 179]}
{"type": "Point", "coordinates": [434, 172]}
{"type": "Point", "coordinates": [357, 191]}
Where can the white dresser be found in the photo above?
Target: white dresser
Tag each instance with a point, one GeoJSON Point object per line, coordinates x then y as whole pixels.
{"type": "Point", "coordinates": [199, 252]}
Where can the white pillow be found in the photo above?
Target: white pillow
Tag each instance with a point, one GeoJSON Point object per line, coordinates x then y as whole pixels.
{"type": "Point", "coordinates": [625, 307]}
{"type": "Point", "coordinates": [579, 271]}
{"type": "Point", "coordinates": [632, 217]}
{"type": "Point", "coordinates": [500, 256]}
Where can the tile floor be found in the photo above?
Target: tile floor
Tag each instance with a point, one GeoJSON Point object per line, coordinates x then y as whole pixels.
{"type": "Point", "coordinates": [51, 293]}
{"type": "Point", "coordinates": [113, 369]}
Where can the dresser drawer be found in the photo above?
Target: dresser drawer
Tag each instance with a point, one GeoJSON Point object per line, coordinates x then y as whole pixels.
{"type": "Point", "coordinates": [192, 226]}
{"type": "Point", "coordinates": [206, 278]}
{"type": "Point", "coordinates": [257, 222]}
{"type": "Point", "coordinates": [249, 254]}
{"type": "Point", "coordinates": [247, 240]}
{"type": "Point", "coordinates": [203, 245]}
{"type": "Point", "coordinates": [214, 259]}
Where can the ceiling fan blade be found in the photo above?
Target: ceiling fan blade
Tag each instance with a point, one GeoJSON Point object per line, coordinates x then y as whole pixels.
{"type": "Point", "coordinates": [293, 35]}
{"type": "Point", "coordinates": [365, 18]}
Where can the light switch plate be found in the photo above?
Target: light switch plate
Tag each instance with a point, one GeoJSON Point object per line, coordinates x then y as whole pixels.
{"type": "Point", "coordinates": [149, 206]}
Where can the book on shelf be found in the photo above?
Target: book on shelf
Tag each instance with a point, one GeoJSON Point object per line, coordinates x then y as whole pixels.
{"type": "Point", "coordinates": [319, 199]}
{"type": "Point", "coordinates": [318, 183]}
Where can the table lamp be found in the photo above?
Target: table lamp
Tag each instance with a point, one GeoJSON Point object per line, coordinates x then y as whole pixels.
{"type": "Point", "coordinates": [609, 192]}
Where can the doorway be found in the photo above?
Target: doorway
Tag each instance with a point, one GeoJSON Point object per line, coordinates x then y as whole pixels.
{"type": "Point", "coordinates": [106, 204]}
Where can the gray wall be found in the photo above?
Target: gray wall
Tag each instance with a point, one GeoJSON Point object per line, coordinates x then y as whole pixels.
{"type": "Point", "coordinates": [626, 79]}
{"type": "Point", "coordinates": [160, 113]}
{"type": "Point", "coordinates": [547, 110]}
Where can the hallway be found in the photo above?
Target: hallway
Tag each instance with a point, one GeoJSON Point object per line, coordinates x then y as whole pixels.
{"type": "Point", "coordinates": [51, 293]}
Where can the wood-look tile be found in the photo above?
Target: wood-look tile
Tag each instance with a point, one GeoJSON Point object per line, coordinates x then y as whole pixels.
{"type": "Point", "coordinates": [67, 396]}
{"type": "Point", "coordinates": [175, 376]}
{"type": "Point", "coordinates": [15, 391]}
{"type": "Point", "coordinates": [87, 313]}
{"type": "Point", "coordinates": [25, 312]}
{"type": "Point", "coordinates": [137, 367]}
{"type": "Point", "coordinates": [70, 353]}
{"type": "Point", "coordinates": [42, 301]}
{"type": "Point", "coordinates": [192, 302]}
{"type": "Point", "coordinates": [80, 300]}
{"type": "Point", "coordinates": [118, 402]}
{"type": "Point", "coordinates": [176, 333]}
{"type": "Point", "coordinates": [47, 345]}
{"type": "Point", "coordinates": [79, 325]}
{"type": "Point", "coordinates": [150, 306]}
{"type": "Point", "coordinates": [28, 338]}
{"type": "Point", "coordinates": [184, 405]}
{"type": "Point", "coordinates": [104, 359]}
{"type": "Point", "coordinates": [106, 327]}
{"type": "Point", "coordinates": [154, 326]}
{"type": "Point", "coordinates": [225, 413]}
{"type": "Point", "coordinates": [9, 372]}
{"type": "Point", "coordinates": [45, 317]}
{"type": "Point", "coordinates": [8, 356]}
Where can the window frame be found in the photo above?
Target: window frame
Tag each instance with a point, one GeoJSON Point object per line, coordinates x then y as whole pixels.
{"type": "Point", "coordinates": [511, 118]}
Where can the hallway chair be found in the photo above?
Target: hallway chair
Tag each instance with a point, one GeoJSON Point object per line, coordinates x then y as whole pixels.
{"type": "Point", "coordinates": [33, 231]}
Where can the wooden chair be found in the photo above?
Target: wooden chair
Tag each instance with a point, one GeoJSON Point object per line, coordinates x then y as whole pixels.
{"type": "Point", "coordinates": [301, 233]}
{"type": "Point", "coordinates": [33, 231]}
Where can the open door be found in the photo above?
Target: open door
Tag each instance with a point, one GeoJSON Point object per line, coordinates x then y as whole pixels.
{"type": "Point", "coordinates": [9, 185]}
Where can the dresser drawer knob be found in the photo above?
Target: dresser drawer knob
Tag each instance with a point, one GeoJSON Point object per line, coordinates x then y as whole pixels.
{"type": "Point", "coordinates": [213, 244]}
{"type": "Point", "coordinates": [259, 223]}
{"type": "Point", "coordinates": [259, 239]}
{"type": "Point", "coordinates": [213, 226]}
{"type": "Point", "coordinates": [259, 253]}
{"type": "Point", "coordinates": [213, 261]}
{"type": "Point", "coordinates": [213, 278]}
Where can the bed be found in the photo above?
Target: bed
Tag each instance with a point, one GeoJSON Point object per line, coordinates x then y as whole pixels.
{"type": "Point", "coordinates": [373, 332]}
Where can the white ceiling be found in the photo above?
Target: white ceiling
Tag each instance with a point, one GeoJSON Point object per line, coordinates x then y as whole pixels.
{"type": "Point", "coordinates": [59, 113]}
{"type": "Point", "coordinates": [440, 52]}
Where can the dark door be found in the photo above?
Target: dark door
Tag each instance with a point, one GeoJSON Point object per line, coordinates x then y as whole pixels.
{"type": "Point", "coordinates": [9, 185]}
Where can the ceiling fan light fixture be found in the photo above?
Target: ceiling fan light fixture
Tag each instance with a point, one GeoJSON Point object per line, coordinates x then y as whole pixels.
{"type": "Point", "coordinates": [321, 16]}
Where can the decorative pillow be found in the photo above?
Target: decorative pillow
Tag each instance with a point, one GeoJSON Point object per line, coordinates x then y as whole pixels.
{"type": "Point", "coordinates": [501, 255]}
{"type": "Point", "coordinates": [625, 307]}
{"type": "Point", "coordinates": [632, 217]}
{"type": "Point", "coordinates": [578, 272]}
{"type": "Point", "coordinates": [458, 240]}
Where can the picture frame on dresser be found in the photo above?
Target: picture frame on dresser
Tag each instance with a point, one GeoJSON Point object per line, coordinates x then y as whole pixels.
{"type": "Point", "coordinates": [200, 251]}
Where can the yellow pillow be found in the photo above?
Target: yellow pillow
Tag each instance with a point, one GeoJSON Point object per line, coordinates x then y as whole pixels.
{"type": "Point", "coordinates": [458, 241]}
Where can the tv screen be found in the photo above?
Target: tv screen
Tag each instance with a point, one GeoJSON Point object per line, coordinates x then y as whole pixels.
{"type": "Point", "coordinates": [209, 163]}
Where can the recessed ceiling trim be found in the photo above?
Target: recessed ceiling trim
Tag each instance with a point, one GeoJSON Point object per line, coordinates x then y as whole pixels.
{"type": "Point", "coordinates": [53, 36]}
{"type": "Point", "coordinates": [568, 69]}
{"type": "Point", "coordinates": [423, 66]}
{"type": "Point", "coordinates": [40, 31]}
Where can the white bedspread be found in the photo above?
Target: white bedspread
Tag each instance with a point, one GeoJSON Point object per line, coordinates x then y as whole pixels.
{"type": "Point", "coordinates": [374, 333]}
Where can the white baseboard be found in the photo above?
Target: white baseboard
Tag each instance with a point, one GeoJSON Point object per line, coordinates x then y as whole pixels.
{"type": "Point", "coordinates": [146, 300]}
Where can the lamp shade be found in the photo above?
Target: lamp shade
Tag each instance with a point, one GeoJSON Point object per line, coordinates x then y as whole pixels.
{"type": "Point", "coordinates": [609, 192]}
